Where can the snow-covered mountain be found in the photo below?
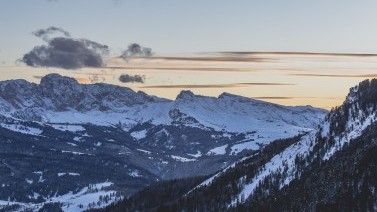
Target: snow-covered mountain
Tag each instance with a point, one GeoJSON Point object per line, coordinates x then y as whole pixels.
{"type": "Point", "coordinates": [331, 168]}
{"type": "Point", "coordinates": [61, 131]}
{"type": "Point", "coordinates": [59, 99]}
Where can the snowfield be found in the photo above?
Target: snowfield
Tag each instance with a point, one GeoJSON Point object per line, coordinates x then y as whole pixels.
{"type": "Point", "coordinates": [86, 198]}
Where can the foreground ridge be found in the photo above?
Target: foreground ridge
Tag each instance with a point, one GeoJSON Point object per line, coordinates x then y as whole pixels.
{"type": "Point", "coordinates": [329, 169]}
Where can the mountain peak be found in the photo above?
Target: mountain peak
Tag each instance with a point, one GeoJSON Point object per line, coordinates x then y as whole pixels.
{"type": "Point", "coordinates": [226, 95]}
{"type": "Point", "coordinates": [185, 94]}
{"type": "Point", "coordinates": [365, 93]}
{"type": "Point", "coordinates": [57, 79]}
{"type": "Point", "coordinates": [229, 95]}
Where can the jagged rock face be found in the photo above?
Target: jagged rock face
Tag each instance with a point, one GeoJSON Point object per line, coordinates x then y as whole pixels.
{"type": "Point", "coordinates": [111, 97]}
{"type": "Point", "coordinates": [19, 93]}
{"type": "Point", "coordinates": [63, 92]}
{"type": "Point", "coordinates": [358, 108]}
{"type": "Point", "coordinates": [58, 93]}
{"type": "Point", "coordinates": [185, 95]}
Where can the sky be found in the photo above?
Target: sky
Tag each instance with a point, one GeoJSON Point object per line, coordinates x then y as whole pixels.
{"type": "Point", "coordinates": [180, 32]}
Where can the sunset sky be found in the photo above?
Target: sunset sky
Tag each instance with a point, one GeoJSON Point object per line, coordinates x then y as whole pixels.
{"type": "Point", "coordinates": [207, 46]}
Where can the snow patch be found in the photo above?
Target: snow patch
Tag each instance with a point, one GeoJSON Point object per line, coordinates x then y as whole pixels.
{"type": "Point", "coordinates": [221, 150]}
{"type": "Point", "coordinates": [144, 151]}
{"type": "Point", "coordinates": [72, 144]}
{"type": "Point", "coordinates": [197, 155]}
{"type": "Point", "coordinates": [66, 127]}
{"type": "Point", "coordinates": [134, 173]}
{"type": "Point", "coordinates": [139, 134]}
{"type": "Point", "coordinates": [22, 129]}
{"type": "Point", "coordinates": [182, 159]}
{"type": "Point", "coordinates": [76, 153]}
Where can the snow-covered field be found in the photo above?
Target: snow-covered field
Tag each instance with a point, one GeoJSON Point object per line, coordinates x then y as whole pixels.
{"type": "Point", "coordinates": [92, 196]}
{"type": "Point", "coordinates": [22, 129]}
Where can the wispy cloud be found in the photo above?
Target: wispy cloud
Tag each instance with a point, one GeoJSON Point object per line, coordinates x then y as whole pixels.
{"type": "Point", "coordinates": [216, 59]}
{"type": "Point", "coordinates": [298, 53]}
{"type": "Point", "coordinates": [289, 97]}
{"type": "Point", "coordinates": [272, 97]}
{"type": "Point", "coordinates": [46, 33]}
{"type": "Point", "coordinates": [232, 85]}
{"type": "Point", "coordinates": [336, 75]}
{"type": "Point", "coordinates": [96, 79]}
{"type": "Point", "coordinates": [98, 74]}
{"type": "Point", "coordinates": [209, 69]}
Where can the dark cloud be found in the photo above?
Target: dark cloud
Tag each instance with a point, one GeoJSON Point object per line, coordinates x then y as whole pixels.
{"type": "Point", "coordinates": [46, 33]}
{"type": "Point", "coordinates": [233, 85]}
{"type": "Point", "coordinates": [136, 50]}
{"type": "Point", "coordinates": [125, 78]}
{"type": "Point", "coordinates": [65, 52]}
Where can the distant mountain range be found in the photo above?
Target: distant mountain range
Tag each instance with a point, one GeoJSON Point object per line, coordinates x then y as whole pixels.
{"type": "Point", "coordinates": [78, 146]}
{"type": "Point", "coordinates": [332, 168]}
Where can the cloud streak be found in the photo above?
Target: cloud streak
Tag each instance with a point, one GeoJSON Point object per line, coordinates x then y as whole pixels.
{"type": "Point", "coordinates": [299, 53]}
{"type": "Point", "coordinates": [188, 69]}
{"type": "Point", "coordinates": [216, 59]}
{"type": "Point", "coordinates": [337, 75]}
{"type": "Point", "coordinates": [233, 85]}
{"type": "Point", "coordinates": [288, 97]}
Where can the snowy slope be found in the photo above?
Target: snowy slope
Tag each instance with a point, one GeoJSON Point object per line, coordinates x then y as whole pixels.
{"type": "Point", "coordinates": [340, 126]}
{"type": "Point", "coordinates": [282, 162]}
